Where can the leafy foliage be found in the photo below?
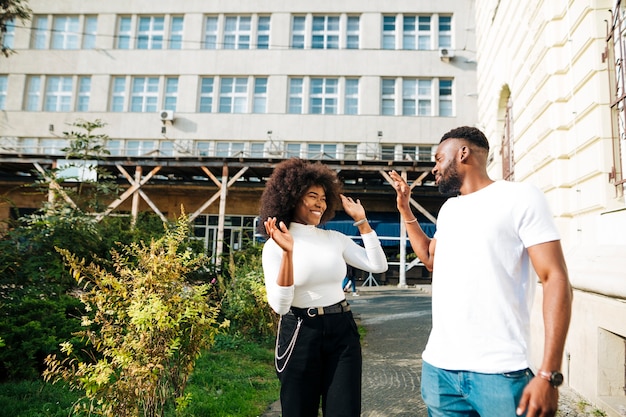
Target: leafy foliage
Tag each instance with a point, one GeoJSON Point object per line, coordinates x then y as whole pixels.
{"type": "Point", "coordinates": [10, 10]}
{"type": "Point", "coordinates": [244, 300]}
{"type": "Point", "coordinates": [149, 327]}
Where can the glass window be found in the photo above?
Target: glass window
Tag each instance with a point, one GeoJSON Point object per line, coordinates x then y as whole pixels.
{"type": "Point", "coordinates": [445, 31]}
{"type": "Point", "coordinates": [445, 98]}
{"type": "Point", "coordinates": [388, 152]}
{"type": "Point", "coordinates": [210, 32]}
{"type": "Point", "coordinates": [325, 33]}
{"type": "Point", "coordinates": [296, 91]}
{"type": "Point", "coordinates": [263, 33]}
{"type": "Point", "coordinates": [321, 151]}
{"type": "Point", "coordinates": [118, 94]}
{"type": "Point", "coordinates": [166, 148]}
{"type": "Point", "coordinates": [389, 32]}
{"type": "Point", "coordinates": [323, 96]}
{"type": "Point", "coordinates": [228, 149]}
{"type": "Point", "coordinates": [139, 147]}
{"type": "Point", "coordinates": [203, 148]}
{"type": "Point", "coordinates": [114, 147]}
{"type": "Point", "coordinates": [52, 146]}
{"type": "Point", "coordinates": [424, 93]}
{"type": "Point", "coordinates": [84, 93]}
{"type": "Point", "coordinates": [124, 33]}
{"type": "Point", "coordinates": [409, 97]}
{"type": "Point", "coordinates": [176, 33]}
{"type": "Point", "coordinates": [91, 30]}
{"type": "Point", "coordinates": [206, 95]}
{"type": "Point", "coordinates": [352, 96]}
{"type": "Point", "coordinates": [144, 94]}
{"type": "Point", "coordinates": [4, 86]}
{"type": "Point", "coordinates": [292, 150]}
{"type": "Point", "coordinates": [65, 32]}
{"type": "Point", "coordinates": [409, 33]}
{"type": "Point", "coordinates": [40, 39]}
{"type": "Point", "coordinates": [171, 93]}
{"type": "Point", "coordinates": [58, 94]}
{"type": "Point", "coordinates": [260, 95]}
{"type": "Point", "coordinates": [257, 150]}
{"type": "Point", "coordinates": [150, 33]}
{"type": "Point", "coordinates": [297, 32]}
{"type": "Point", "coordinates": [389, 97]}
{"type": "Point", "coordinates": [353, 32]}
{"type": "Point", "coordinates": [9, 35]}
{"type": "Point", "coordinates": [237, 32]}
{"type": "Point", "coordinates": [233, 95]}
{"type": "Point", "coordinates": [423, 34]}
{"type": "Point", "coordinates": [350, 152]}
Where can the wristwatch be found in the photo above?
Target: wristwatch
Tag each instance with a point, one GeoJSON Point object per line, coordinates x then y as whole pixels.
{"type": "Point", "coordinates": [555, 378]}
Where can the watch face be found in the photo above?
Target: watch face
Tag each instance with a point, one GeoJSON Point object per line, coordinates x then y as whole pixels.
{"type": "Point", "coordinates": [556, 379]}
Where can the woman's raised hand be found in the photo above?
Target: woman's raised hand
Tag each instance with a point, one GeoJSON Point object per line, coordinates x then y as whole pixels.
{"type": "Point", "coordinates": [279, 234]}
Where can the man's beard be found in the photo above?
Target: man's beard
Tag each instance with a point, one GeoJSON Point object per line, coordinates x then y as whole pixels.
{"type": "Point", "coordinates": [450, 183]}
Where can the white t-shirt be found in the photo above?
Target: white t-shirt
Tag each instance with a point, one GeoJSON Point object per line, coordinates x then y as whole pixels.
{"type": "Point", "coordinates": [319, 266]}
{"type": "Point", "coordinates": [483, 282]}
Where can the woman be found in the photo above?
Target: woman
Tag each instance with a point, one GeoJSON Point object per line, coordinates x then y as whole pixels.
{"type": "Point", "coordinates": [318, 352]}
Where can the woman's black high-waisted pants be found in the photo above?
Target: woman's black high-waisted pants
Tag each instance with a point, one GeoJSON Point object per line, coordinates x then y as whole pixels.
{"type": "Point", "coordinates": [325, 363]}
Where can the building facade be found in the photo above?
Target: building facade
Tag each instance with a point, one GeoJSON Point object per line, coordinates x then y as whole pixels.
{"type": "Point", "coordinates": [551, 100]}
{"type": "Point", "coordinates": [188, 89]}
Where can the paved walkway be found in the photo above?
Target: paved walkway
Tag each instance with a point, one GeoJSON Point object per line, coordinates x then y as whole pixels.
{"type": "Point", "coordinates": [397, 322]}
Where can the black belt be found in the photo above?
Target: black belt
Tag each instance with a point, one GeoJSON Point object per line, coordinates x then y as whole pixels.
{"type": "Point", "coordinates": [340, 307]}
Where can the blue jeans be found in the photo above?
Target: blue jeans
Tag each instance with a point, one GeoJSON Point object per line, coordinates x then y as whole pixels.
{"type": "Point", "coordinates": [472, 394]}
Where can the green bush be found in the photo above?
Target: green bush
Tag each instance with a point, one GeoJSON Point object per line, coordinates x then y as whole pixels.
{"type": "Point", "coordinates": [244, 300]}
{"type": "Point", "coordinates": [32, 329]}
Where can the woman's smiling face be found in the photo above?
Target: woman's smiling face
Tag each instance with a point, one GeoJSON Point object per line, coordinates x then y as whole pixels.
{"type": "Point", "coordinates": [311, 207]}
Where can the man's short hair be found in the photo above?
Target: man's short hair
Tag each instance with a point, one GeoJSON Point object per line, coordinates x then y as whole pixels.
{"type": "Point", "coordinates": [468, 133]}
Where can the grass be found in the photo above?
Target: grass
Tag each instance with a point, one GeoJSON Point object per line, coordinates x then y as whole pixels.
{"type": "Point", "coordinates": [234, 378]}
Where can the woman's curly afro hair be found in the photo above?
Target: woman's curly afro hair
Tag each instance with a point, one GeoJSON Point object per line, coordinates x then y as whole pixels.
{"type": "Point", "coordinates": [287, 185]}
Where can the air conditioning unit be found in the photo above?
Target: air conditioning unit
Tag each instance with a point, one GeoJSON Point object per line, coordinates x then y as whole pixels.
{"type": "Point", "coordinates": [445, 53]}
{"type": "Point", "coordinates": [166, 115]}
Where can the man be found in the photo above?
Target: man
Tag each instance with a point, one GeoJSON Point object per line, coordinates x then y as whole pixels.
{"type": "Point", "coordinates": [490, 235]}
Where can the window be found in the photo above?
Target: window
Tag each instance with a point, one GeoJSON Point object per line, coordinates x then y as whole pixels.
{"type": "Point", "coordinates": [292, 150]}
{"type": "Point", "coordinates": [323, 96]}
{"type": "Point", "coordinates": [229, 149]}
{"type": "Point", "coordinates": [33, 93]}
{"type": "Point", "coordinates": [233, 95]}
{"type": "Point", "coordinates": [353, 32]}
{"type": "Point", "coordinates": [389, 97]}
{"type": "Point", "coordinates": [166, 148]}
{"type": "Point", "coordinates": [124, 33]}
{"type": "Point", "coordinates": [423, 153]}
{"type": "Point", "coordinates": [114, 147]}
{"type": "Point", "coordinates": [4, 86]}
{"type": "Point", "coordinates": [388, 152]}
{"type": "Point", "coordinates": [84, 93]}
{"type": "Point", "coordinates": [118, 94]}
{"type": "Point", "coordinates": [8, 39]}
{"type": "Point", "coordinates": [139, 147]}
{"type": "Point", "coordinates": [210, 33]}
{"type": "Point", "coordinates": [352, 96]}
{"type": "Point", "coordinates": [297, 32]}
{"type": "Point", "coordinates": [417, 32]}
{"type": "Point", "coordinates": [325, 33]}
{"type": "Point", "coordinates": [445, 98]}
{"type": "Point", "coordinates": [65, 32]}
{"type": "Point", "coordinates": [203, 148]}
{"type": "Point", "coordinates": [257, 150]}
{"type": "Point", "coordinates": [263, 33]}
{"type": "Point", "coordinates": [91, 30]}
{"type": "Point", "coordinates": [171, 93]}
{"type": "Point", "coordinates": [389, 32]}
{"type": "Point", "coordinates": [206, 95]}
{"type": "Point", "coordinates": [296, 90]}
{"type": "Point", "coordinates": [350, 152]}
{"type": "Point", "coordinates": [321, 151]}
{"type": "Point", "coordinates": [150, 33]}
{"type": "Point", "coordinates": [260, 96]}
{"type": "Point", "coordinates": [445, 31]}
{"type": "Point", "coordinates": [60, 93]}
{"type": "Point", "coordinates": [40, 38]}
{"type": "Point", "coordinates": [52, 146]}
{"type": "Point", "coordinates": [176, 33]}
{"type": "Point", "coordinates": [237, 32]}
{"type": "Point", "coordinates": [144, 94]}
{"type": "Point", "coordinates": [416, 97]}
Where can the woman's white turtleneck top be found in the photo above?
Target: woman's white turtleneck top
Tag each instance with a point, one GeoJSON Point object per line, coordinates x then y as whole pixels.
{"type": "Point", "coordinates": [319, 266]}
